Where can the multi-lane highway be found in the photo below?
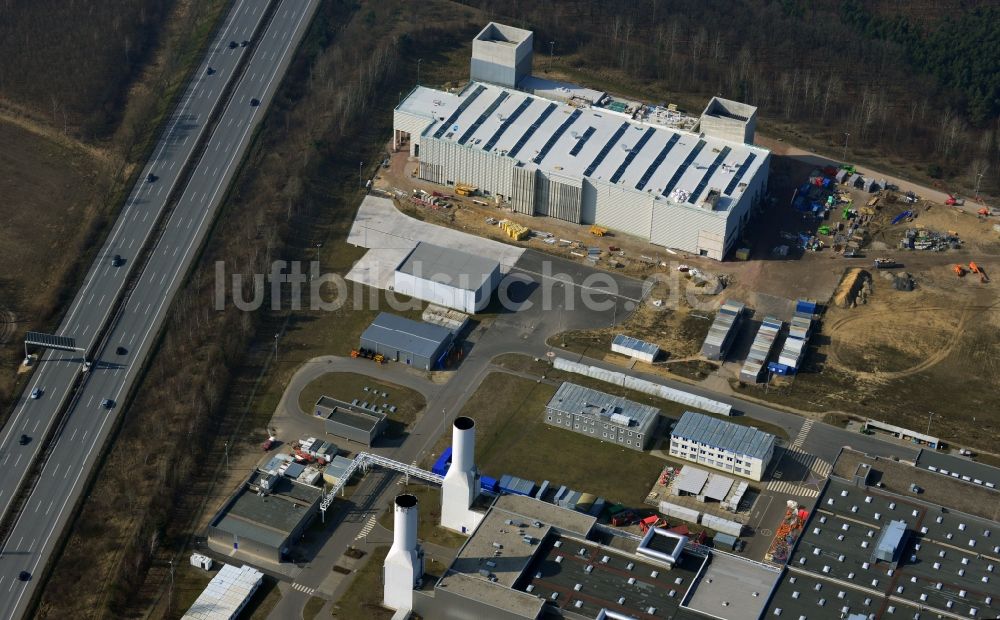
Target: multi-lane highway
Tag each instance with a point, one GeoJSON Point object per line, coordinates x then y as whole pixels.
{"type": "Point", "coordinates": [58, 370]}
{"type": "Point", "coordinates": [133, 330]}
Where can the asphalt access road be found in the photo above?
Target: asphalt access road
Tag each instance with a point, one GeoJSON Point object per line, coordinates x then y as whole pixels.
{"type": "Point", "coordinates": [89, 422]}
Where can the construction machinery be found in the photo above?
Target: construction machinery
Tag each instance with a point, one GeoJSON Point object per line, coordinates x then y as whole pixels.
{"type": "Point", "coordinates": [974, 268]}
{"type": "Point", "coordinates": [885, 263]}
{"type": "Point", "coordinates": [954, 201]}
{"type": "Point", "coordinates": [984, 212]}
{"type": "Point", "coordinates": [651, 521]}
{"type": "Point", "coordinates": [465, 190]}
{"type": "Point", "coordinates": [623, 518]}
{"type": "Point", "coordinates": [959, 270]}
{"type": "Point", "coordinates": [598, 231]}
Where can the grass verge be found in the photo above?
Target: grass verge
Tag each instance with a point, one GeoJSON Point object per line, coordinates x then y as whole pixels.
{"type": "Point", "coordinates": [347, 386]}
{"type": "Point", "coordinates": [428, 530]}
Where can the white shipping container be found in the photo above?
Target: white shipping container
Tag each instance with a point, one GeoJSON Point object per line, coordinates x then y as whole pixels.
{"type": "Point", "coordinates": [679, 512]}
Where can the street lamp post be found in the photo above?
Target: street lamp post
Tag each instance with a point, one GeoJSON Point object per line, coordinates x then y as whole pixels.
{"type": "Point", "coordinates": [930, 416]}
{"type": "Point", "coordinates": [276, 347]}
{"type": "Point", "coordinates": [978, 181]}
{"type": "Point", "coordinates": [361, 180]}
{"type": "Point", "coordinates": [419, 60]}
{"type": "Point", "coordinates": [847, 136]}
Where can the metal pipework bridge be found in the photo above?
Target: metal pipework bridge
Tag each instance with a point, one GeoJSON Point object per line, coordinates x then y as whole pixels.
{"type": "Point", "coordinates": [365, 461]}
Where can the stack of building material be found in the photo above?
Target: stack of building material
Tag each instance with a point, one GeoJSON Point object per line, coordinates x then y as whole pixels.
{"type": "Point", "coordinates": [723, 331]}
{"type": "Point", "coordinates": [763, 344]}
{"type": "Point", "coordinates": [799, 330]}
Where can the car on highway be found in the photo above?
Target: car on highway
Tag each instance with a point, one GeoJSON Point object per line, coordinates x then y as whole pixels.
{"type": "Point", "coordinates": [117, 260]}
{"type": "Point", "coordinates": [107, 403]}
{"type": "Point", "coordinates": [36, 393]}
{"type": "Point", "coordinates": [86, 365]}
{"type": "Point", "coordinates": [244, 43]}
{"type": "Point", "coordinates": [150, 178]}
{"type": "Point", "coordinates": [254, 103]}
{"type": "Point", "coordinates": [24, 576]}
{"type": "Point", "coordinates": [233, 45]}
{"type": "Point", "coordinates": [121, 350]}
{"type": "Point", "coordinates": [210, 71]}
{"type": "Point", "coordinates": [25, 440]}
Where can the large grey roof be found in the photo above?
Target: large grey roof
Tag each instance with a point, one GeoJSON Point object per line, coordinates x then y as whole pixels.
{"type": "Point", "coordinates": [573, 398]}
{"type": "Point", "coordinates": [594, 142]}
{"type": "Point", "coordinates": [718, 433]}
{"type": "Point", "coordinates": [422, 339]}
{"type": "Point", "coordinates": [455, 268]}
{"type": "Point", "coordinates": [960, 468]}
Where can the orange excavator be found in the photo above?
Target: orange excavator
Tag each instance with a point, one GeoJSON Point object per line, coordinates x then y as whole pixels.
{"type": "Point", "coordinates": [974, 268]}
{"type": "Point", "coordinates": [959, 270]}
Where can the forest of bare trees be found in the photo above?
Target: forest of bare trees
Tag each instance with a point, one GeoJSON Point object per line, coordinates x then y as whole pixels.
{"type": "Point", "coordinates": [920, 87]}
{"type": "Point", "coordinates": [301, 181]}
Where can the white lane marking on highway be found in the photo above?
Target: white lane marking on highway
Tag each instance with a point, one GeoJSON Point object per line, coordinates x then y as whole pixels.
{"type": "Point", "coordinates": [159, 191]}
{"type": "Point", "coordinates": [175, 250]}
{"type": "Point", "coordinates": [67, 473]}
{"type": "Point", "coordinates": [230, 123]}
{"type": "Point", "coordinates": [89, 301]}
{"type": "Point", "coordinates": [254, 76]}
{"type": "Point", "coordinates": [172, 164]}
{"type": "Point", "coordinates": [184, 141]}
{"type": "Point", "coordinates": [216, 173]}
{"type": "Point", "coordinates": [131, 340]}
{"type": "Point", "coordinates": [18, 460]}
{"type": "Point", "coordinates": [75, 430]}
{"type": "Point", "coordinates": [210, 93]}
{"type": "Point", "coordinates": [85, 433]}
{"type": "Point", "coordinates": [144, 216]}
{"type": "Point", "coordinates": [130, 243]}
{"type": "Point", "coordinates": [101, 302]}
{"type": "Point", "coordinates": [5, 459]}
{"type": "Point", "coordinates": [91, 400]}
{"type": "Point", "coordinates": [216, 146]}
{"type": "Point", "coordinates": [50, 507]}
{"type": "Point", "coordinates": [56, 470]}
{"type": "Point", "coordinates": [163, 278]}
{"type": "Point", "coordinates": [39, 506]}
{"type": "Point", "coordinates": [35, 428]}
{"type": "Point", "coordinates": [148, 308]}
{"type": "Point", "coordinates": [86, 329]}
{"type": "Point", "coordinates": [151, 276]}
{"type": "Point", "coordinates": [119, 227]}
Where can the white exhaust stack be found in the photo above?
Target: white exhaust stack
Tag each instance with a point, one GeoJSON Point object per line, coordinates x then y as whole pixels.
{"type": "Point", "coordinates": [404, 564]}
{"type": "Point", "coordinates": [461, 484]}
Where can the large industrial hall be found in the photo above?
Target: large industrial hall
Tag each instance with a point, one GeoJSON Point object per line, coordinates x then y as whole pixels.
{"type": "Point", "coordinates": [578, 155]}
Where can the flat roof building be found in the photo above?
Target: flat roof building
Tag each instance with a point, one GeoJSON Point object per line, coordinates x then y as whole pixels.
{"type": "Point", "coordinates": [875, 547]}
{"type": "Point", "coordinates": [226, 594]}
{"type": "Point", "coordinates": [399, 339]}
{"type": "Point", "coordinates": [531, 559]}
{"type": "Point", "coordinates": [264, 518]}
{"type": "Point", "coordinates": [447, 277]}
{"type": "Point", "coordinates": [355, 423]}
{"type": "Point", "coordinates": [602, 416]}
{"type": "Point", "coordinates": [742, 450]}
{"type": "Point", "coordinates": [588, 162]}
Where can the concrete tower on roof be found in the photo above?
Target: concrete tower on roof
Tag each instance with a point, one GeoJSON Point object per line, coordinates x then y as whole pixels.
{"type": "Point", "coordinates": [404, 564]}
{"type": "Point", "coordinates": [501, 55]}
{"type": "Point", "coordinates": [461, 484]}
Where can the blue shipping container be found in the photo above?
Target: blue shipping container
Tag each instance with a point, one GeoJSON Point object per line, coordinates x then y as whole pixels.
{"type": "Point", "coordinates": [488, 484]}
{"type": "Point", "coordinates": [806, 306]}
{"type": "Point", "coordinates": [780, 369]}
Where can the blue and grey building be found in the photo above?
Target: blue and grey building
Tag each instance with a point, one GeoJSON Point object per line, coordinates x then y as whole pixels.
{"type": "Point", "coordinates": [399, 339]}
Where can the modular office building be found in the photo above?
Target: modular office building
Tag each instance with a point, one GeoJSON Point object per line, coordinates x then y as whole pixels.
{"type": "Point", "coordinates": [741, 450]}
{"type": "Point", "coordinates": [589, 164]}
{"type": "Point", "coordinates": [602, 416]}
